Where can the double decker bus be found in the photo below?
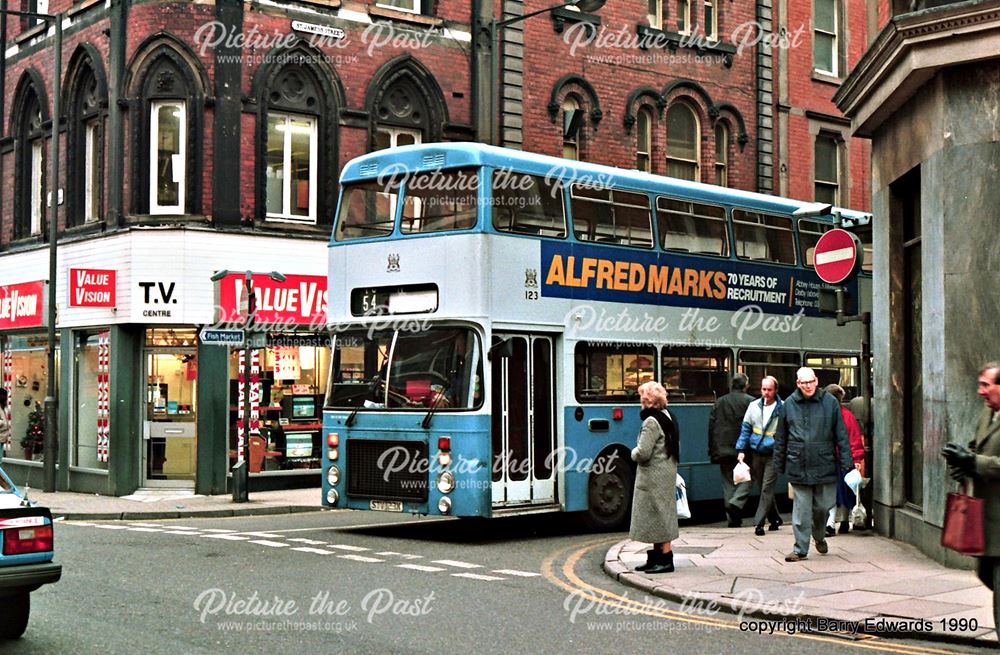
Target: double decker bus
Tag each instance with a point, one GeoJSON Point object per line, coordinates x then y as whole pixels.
{"type": "Point", "coordinates": [494, 312]}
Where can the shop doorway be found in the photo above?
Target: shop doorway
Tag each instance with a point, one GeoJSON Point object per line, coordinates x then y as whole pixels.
{"type": "Point", "coordinates": [170, 423]}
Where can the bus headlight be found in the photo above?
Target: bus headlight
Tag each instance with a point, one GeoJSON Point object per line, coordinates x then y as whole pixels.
{"type": "Point", "coordinates": [444, 460]}
{"type": "Point", "coordinates": [333, 454]}
{"type": "Point", "coordinates": [331, 497]}
{"type": "Point", "coordinates": [333, 475]}
{"type": "Point", "coordinates": [444, 505]}
{"type": "Point", "coordinates": [446, 482]}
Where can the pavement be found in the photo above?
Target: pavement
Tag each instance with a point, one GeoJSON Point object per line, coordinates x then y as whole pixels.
{"type": "Point", "coordinates": [866, 584]}
{"type": "Point", "coordinates": [173, 504]}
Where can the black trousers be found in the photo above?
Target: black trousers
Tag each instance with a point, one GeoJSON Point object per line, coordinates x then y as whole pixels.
{"type": "Point", "coordinates": [988, 570]}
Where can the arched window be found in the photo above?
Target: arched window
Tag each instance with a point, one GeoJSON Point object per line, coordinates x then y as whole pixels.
{"type": "Point", "coordinates": [572, 124]}
{"type": "Point", "coordinates": [30, 178]}
{"type": "Point", "coordinates": [168, 85]}
{"type": "Point", "coordinates": [683, 142]}
{"type": "Point", "coordinates": [292, 147]}
{"type": "Point", "coordinates": [85, 142]}
{"type": "Point", "coordinates": [721, 154]}
{"type": "Point", "coordinates": [644, 140]}
{"type": "Point", "coordinates": [406, 105]}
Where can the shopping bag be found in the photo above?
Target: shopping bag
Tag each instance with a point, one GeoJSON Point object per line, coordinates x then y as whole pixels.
{"type": "Point", "coordinates": [683, 509]}
{"type": "Point", "coordinates": [963, 523]}
{"type": "Point", "coordinates": [859, 516]}
{"type": "Point", "coordinates": [853, 480]}
{"type": "Point", "coordinates": [741, 473]}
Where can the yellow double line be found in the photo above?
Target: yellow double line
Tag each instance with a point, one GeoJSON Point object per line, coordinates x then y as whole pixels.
{"type": "Point", "coordinates": [567, 579]}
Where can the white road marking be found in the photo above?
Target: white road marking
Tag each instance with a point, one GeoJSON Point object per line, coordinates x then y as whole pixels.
{"type": "Point", "coordinates": [145, 529]}
{"type": "Point", "coordinates": [356, 549]}
{"type": "Point", "coordinates": [311, 542]}
{"type": "Point", "coordinates": [361, 558]}
{"type": "Point", "coordinates": [523, 574]}
{"type": "Point", "coordinates": [229, 537]}
{"type": "Point", "coordinates": [456, 564]}
{"type": "Point", "coordinates": [266, 535]}
{"type": "Point", "coordinates": [186, 533]}
{"type": "Point", "coordinates": [306, 549]}
{"type": "Point", "coordinates": [272, 544]}
{"type": "Point", "coordinates": [477, 576]}
{"type": "Point", "coordinates": [185, 527]}
{"type": "Point", "coordinates": [146, 525]}
{"type": "Point", "coordinates": [420, 567]}
{"type": "Point", "coordinates": [218, 530]}
{"type": "Point", "coordinates": [110, 527]}
{"type": "Point", "coordinates": [391, 553]}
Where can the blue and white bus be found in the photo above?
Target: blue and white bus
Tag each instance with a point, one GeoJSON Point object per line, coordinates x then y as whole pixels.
{"type": "Point", "coordinates": [495, 311]}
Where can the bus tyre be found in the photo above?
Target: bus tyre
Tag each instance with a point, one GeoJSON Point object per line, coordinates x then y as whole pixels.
{"type": "Point", "coordinates": [14, 615]}
{"type": "Point", "coordinates": [609, 494]}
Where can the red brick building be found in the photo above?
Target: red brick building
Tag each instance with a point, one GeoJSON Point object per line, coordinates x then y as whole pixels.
{"type": "Point", "coordinates": [201, 137]}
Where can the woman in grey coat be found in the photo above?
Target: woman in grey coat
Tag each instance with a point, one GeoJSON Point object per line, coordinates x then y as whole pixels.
{"type": "Point", "coordinates": [654, 503]}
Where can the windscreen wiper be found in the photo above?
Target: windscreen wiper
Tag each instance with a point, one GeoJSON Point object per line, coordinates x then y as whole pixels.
{"type": "Point", "coordinates": [426, 423]}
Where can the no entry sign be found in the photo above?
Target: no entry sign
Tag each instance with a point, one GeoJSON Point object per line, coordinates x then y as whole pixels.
{"type": "Point", "coordinates": [836, 256]}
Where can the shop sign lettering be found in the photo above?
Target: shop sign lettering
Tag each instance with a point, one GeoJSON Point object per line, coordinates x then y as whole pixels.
{"type": "Point", "coordinates": [89, 287]}
{"type": "Point", "coordinates": [22, 305]}
{"type": "Point", "coordinates": [299, 300]}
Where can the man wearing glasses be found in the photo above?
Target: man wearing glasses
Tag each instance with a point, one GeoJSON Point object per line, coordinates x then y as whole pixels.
{"type": "Point", "coordinates": [809, 432]}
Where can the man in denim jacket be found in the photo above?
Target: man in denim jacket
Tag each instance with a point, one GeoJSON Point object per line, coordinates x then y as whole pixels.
{"type": "Point", "coordinates": [757, 438]}
{"type": "Point", "coordinates": [810, 429]}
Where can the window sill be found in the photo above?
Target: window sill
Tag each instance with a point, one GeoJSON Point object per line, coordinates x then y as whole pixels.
{"type": "Point", "coordinates": [562, 15]}
{"type": "Point", "coordinates": [826, 78]}
{"type": "Point", "coordinates": [83, 7]}
{"type": "Point", "coordinates": [29, 34]}
{"type": "Point", "coordinates": [326, 4]}
{"type": "Point", "coordinates": [405, 16]}
{"type": "Point", "coordinates": [653, 38]}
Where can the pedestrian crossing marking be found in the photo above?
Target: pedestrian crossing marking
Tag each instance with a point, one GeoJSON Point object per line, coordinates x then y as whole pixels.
{"type": "Point", "coordinates": [272, 544]}
{"type": "Point", "coordinates": [311, 542]}
{"type": "Point", "coordinates": [357, 549]}
{"type": "Point", "coordinates": [306, 549]}
{"type": "Point", "coordinates": [361, 558]}
{"type": "Point", "coordinates": [220, 530]}
{"type": "Point", "coordinates": [477, 576]}
{"type": "Point", "coordinates": [420, 567]}
{"type": "Point", "coordinates": [392, 553]}
{"type": "Point", "coordinates": [457, 564]}
{"type": "Point", "coordinates": [265, 535]}
{"type": "Point", "coordinates": [229, 537]}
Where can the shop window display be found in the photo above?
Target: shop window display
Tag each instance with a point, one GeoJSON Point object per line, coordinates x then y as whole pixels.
{"type": "Point", "coordinates": [293, 372]}
{"type": "Point", "coordinates": [90, 407]}
{"type": "Point", "coordinates": [25, 377]}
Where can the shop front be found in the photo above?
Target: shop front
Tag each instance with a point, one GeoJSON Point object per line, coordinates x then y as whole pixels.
{"type": "Point", "coordinates": [288, 378]}
{"type": "Point", "coordinates": [25, 374]}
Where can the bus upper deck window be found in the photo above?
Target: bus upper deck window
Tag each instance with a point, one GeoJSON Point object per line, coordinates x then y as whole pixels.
{"type": "Point", "coordinates": [435, 201]}
{"type": "Point", "coordinates": [527, 204]}
{"type": "Point", "coordinates": [367, 210]}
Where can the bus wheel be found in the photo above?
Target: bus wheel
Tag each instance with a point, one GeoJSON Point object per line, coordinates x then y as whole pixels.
{"type": "Point", "coordinates": [609, 494]}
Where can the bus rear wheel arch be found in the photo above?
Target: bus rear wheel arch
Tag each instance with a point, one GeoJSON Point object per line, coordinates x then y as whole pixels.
{"type": "Point", "coordinates": [609, 491]}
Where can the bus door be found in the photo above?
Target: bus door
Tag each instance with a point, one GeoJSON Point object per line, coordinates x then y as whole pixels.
{"type": "Point", "coordinates": [523, 420]}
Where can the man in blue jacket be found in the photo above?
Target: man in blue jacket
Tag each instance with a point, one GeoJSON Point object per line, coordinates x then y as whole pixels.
{"type": "Point", "coordinates": [810, 432]}
{"type": "Point", "coordinates": [757, 438]}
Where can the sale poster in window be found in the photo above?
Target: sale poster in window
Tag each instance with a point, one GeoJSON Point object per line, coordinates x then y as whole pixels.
{"type": "Point", "coordinates": [286, 363]}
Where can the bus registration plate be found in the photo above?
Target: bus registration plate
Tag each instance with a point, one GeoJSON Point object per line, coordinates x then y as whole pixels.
{"type": "Point", "coordinates": [386, 505]}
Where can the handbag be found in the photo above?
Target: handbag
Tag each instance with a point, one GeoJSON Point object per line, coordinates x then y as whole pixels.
{"type": "Point", "coordinates": [963, 523]}
{"type": "Point", "coordinates": [683, 509]}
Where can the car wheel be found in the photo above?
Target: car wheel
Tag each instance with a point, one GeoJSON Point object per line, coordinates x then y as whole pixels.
{"type": "Point", "coordinates": [609, 494]}
{"type": "Point", "coordinates": [14, 616]}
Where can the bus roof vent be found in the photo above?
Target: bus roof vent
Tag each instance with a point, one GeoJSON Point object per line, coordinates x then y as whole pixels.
{"type": "Point", "coordinates": [369, 169]}
{"type": "Point", "coordinates": [433, 160]}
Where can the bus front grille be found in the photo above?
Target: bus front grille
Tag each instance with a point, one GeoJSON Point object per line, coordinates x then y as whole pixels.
{"type": "Point", "coordinates": [390, 470]}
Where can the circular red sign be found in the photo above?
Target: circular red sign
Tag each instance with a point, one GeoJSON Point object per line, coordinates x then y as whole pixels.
{"type": "Point", "coordinates": [836, 256]}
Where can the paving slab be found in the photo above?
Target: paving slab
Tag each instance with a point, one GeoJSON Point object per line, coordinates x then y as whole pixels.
{"type": "Point", "coordinates": [884, 587]}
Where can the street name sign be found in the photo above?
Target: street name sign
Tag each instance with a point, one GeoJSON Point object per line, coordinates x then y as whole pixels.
{"type": "Point", "coordinates": [837, 256]}
{"type": "Point", "coordinates": [215, 337]}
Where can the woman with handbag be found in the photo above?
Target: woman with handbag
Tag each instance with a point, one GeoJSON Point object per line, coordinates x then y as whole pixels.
{"type": "Point", "coordinates": [654, 502]}
{"type": "Point", "coordinates": [979, 462]}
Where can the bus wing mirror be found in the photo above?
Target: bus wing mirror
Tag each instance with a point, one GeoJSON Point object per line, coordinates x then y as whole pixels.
{"type": "Point", "coordinates": [502, 348]}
